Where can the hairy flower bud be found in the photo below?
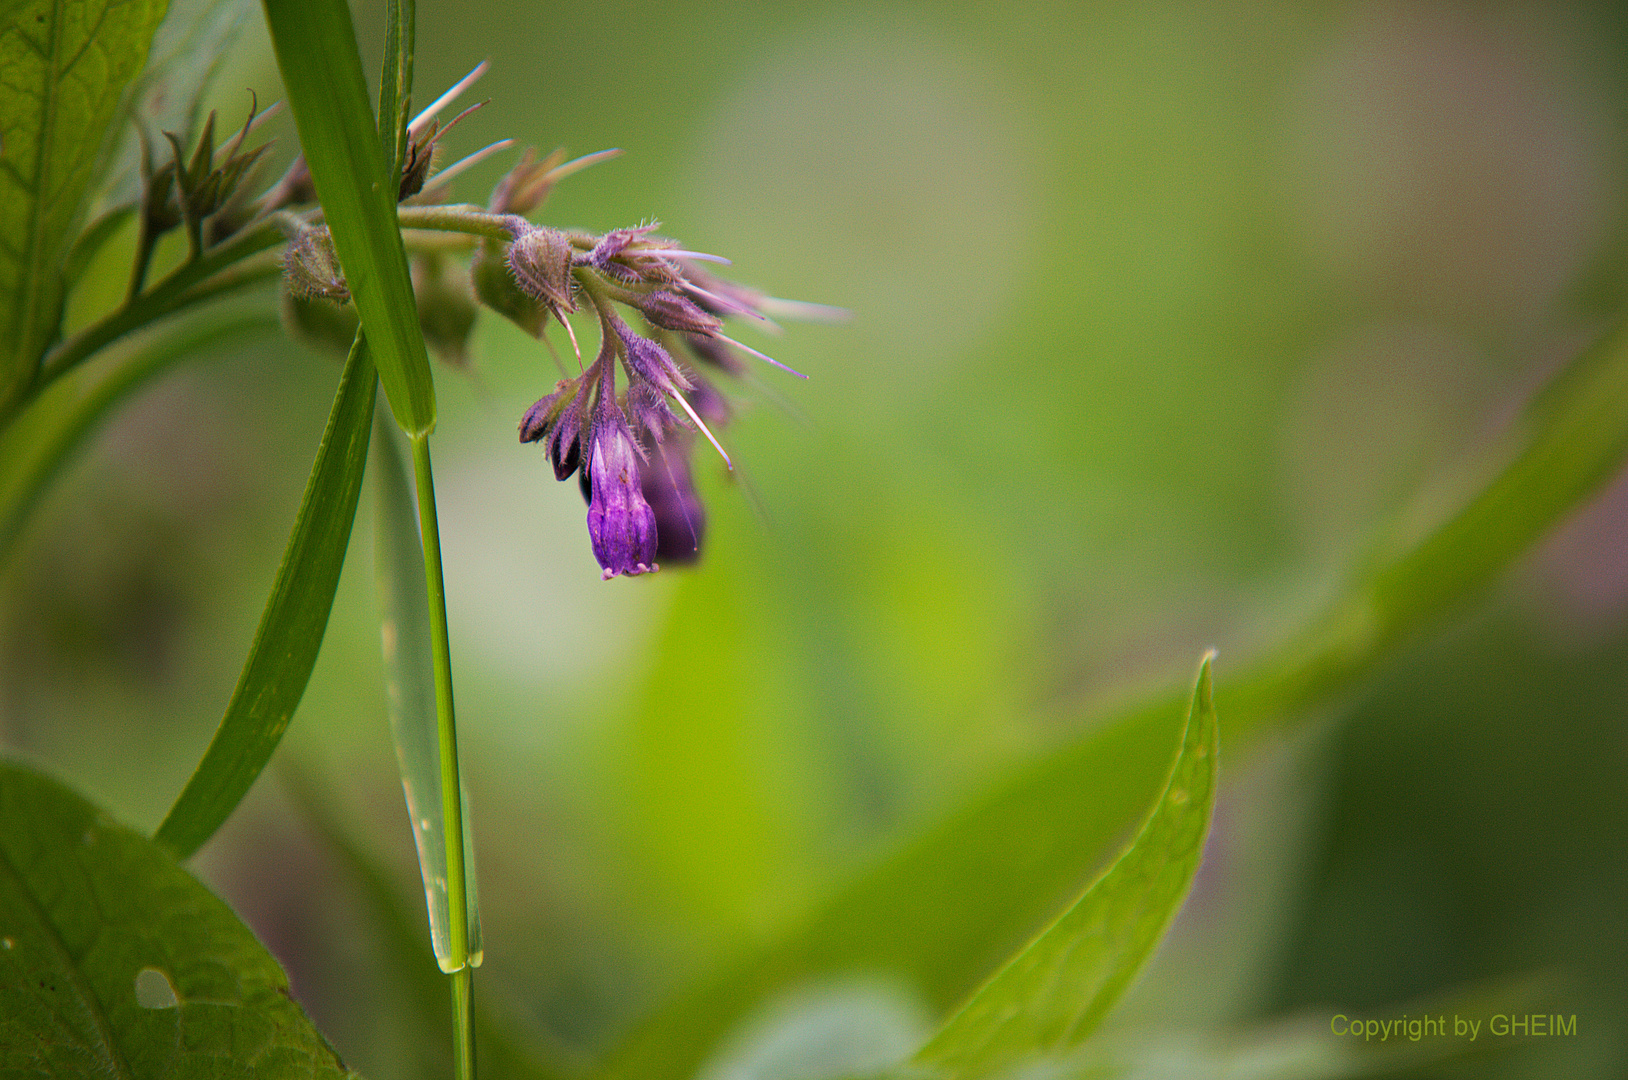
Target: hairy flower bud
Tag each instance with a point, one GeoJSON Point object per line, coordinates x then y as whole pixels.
{"type": "Point", "coordinates": [649, 361]}
{"type": "Point", "coordinates": [497, 289]}
{"type": "Point", "coordinates": [648, 408]}
{"type": "Point", "coordinates": [541, 417]}
{"type": "Point", "coordinates": [669, 311]}
{"type": "Point", "coordinates": [620, 522]}
{"type": "Point", "coordinates": [540, 261]}
{"type": "Point", "coordinates": [311, 267]}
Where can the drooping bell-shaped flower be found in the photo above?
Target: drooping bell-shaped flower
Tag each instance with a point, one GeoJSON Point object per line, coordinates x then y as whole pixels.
{"type": "Point", "coordinates": [620, 522]}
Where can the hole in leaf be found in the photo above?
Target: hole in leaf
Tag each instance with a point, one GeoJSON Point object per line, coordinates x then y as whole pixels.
{"type": "Point", "coordinates": [154, 990]}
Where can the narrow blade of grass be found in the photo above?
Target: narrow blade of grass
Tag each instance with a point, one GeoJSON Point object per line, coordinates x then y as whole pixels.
{"type": "Point", "coordinates": [405, 630]}
{"type": "Point", "coordinates": [1055, 992]}
{"type": "Point", "coordinates": [396, 82]}
{"type": "Point", "coordinates": [315, 44]}
{"type": "Point", "coordinates": [296, 616]}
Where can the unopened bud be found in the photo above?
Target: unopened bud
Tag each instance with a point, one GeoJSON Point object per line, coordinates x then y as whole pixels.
{"type": "Point", "coordinates": [496, 288]}
{"type": "Point", "coordinates": [311, 267]}
{"type": "Point", "coordinates": [540, 260]}
{"type": "Point", "coordinates": [671, 311]}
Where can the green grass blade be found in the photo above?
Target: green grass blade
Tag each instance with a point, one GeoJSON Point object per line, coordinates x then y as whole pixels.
{"type": "Point", "coordinates": [290, 633]}
{"type": "Point", "coordinates": [410, 690]}
{"type": "Point", "coordinates": [396, 82]}
{"type": "Point", "coordinates": [115, 962]}
{"type": "Point", "coordinates": [34, 449]}
{"type": "Point", "coordinates": [66, 66]}
{"type": "Point", "coordinates": [322, 72]}
{"type": "Point", "coordinates": [1054, 993]}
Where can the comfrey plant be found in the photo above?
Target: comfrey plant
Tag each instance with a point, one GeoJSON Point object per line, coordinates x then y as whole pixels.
{"type": "Point", "coordinates": [629, 445]}
{"type": "Point", "coordinates": [115, 961]}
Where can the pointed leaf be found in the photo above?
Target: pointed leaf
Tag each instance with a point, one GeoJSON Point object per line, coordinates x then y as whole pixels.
{"type": "Point", "coordinates": [290, 633]}
{"type": "Point", "coordinates": [1055, 992]}
{"type": "Point", "coordinates": [322, 71]}
{"type": "Point", "coordinates": [65, 66]}
{"type": "Point", "coordinates": [115, 962]}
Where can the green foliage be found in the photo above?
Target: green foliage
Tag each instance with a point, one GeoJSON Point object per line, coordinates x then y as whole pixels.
{"type": "Point", "coordinates": [290, 633]}
{"type": "Point", "coordinates": [1054, 993]}
{"type": "Point", "coordinates": [35, 449]}
{"type": "Point", "coordinates": [114, 961]}
{"type": "Point", "coordinates": [398, 565]}
{"type": "Point", "coordinates": [316, 52]}
{"type": "Point", "coordinates": [66, 66]}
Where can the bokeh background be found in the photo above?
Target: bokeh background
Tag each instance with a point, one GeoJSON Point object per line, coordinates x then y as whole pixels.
{"type": "Point", "coordinates": [1164, 316]}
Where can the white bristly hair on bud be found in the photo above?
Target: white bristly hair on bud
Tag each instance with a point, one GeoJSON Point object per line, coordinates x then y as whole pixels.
{"type": "Point", "coordinates": [444, 177]}
{"type": "Point", "coordinates": [704, 430]}
{"type": "Point", "coordinates": [422, 120]}
{"type": "Point", "coordinates": [760, 356]}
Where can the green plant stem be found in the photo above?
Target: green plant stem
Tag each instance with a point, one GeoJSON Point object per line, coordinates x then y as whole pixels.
{"type": "Point", "coordinates": [451, 799]}
{"type": "Point", "coordinates": [462, 218]}
{"type": "Point", "coordinates": [463, 1022]}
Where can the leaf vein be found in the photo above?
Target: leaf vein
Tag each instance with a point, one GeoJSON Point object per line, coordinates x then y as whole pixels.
{"type": "Point", "coordinates": [65, 958]}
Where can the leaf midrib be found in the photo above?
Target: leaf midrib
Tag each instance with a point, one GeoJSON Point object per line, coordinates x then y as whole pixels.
{"type": "Point", "coordinates": [110, 1052]}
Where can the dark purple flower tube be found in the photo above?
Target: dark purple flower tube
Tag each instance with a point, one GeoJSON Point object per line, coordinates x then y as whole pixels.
{"type": "Point", "coordinates": [620, 522]}
{"type": "Point", "coordinates": [681, 520]}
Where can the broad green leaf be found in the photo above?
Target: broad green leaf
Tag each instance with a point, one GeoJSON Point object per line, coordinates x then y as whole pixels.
{"type": "Point", "coordinates": [398, 558]}
{"type": "Point", "coordinates": [66, 65]}
{"type": "Point", "coordinates": [44, 438]}
{"type": "Point", "coordinates": [316, 52]}
{"type": "Point", "coordinates": [290, 632]}
{"type": "Point", "coordinates": [1054, 993]}
{"type": "Point", "coordinates": [115, 962]}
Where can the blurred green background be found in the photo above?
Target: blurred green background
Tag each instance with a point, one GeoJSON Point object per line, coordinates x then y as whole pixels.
{"type": "Point", "coordinates": [1165, 315]}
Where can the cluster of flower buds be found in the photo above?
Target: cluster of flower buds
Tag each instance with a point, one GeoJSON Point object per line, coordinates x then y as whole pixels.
{"type": "Point", "coordinates": [631, 448]}
{"type": "Point", "coordinates": [625, 424]}
{"type": "Point", "coordinates": [204, 190]}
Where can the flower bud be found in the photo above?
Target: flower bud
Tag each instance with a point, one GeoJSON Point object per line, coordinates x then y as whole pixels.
{"type": "Point", "coordinates": [497, 289]}
{"type": "Point", "coordinates": [541, 417]}
{"type": "Point", "coordinates": [540, 260]}
{"type": "Point", "coordinates": [670, 311]}
{"type": "Point", "coordinates": [311, 267]}
{"type": "Point", "coordinates": [649, 409]}
{"type": "Point", "coordinates": [620, 522]}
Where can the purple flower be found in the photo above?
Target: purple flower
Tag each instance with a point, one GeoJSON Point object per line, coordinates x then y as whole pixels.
{"type": "Point", "coordinates": [681, 520]}
{"type": "Point", "coordinates": [620, 522]}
